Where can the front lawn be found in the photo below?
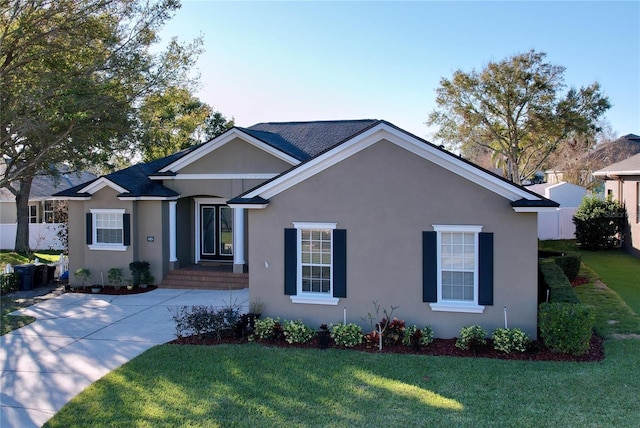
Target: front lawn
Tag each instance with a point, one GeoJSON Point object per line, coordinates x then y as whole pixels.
{"type": "Point", "coordinates": [252, 385]}
{"type": "Point", "coordinates": [11, 322]}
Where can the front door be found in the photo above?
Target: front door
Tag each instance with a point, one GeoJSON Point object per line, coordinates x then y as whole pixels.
{"type": "Point", "coordinates": [216, 232]}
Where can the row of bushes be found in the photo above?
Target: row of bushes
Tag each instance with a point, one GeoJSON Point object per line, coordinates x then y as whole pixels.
{"type": "Point", "coordinates": [556, 285]}
{"type": "Point", "coordinates": [565, 325]}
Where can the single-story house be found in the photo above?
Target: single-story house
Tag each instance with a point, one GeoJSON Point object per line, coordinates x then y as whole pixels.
{"type": "Point", "coordinates": [622, 182]}
{"type": "Point", "coordinates": [45, 211]}
{"type": "Point", "coordinates": [559, 224]}
{"type": "Point", "coordinates": [325, 218]}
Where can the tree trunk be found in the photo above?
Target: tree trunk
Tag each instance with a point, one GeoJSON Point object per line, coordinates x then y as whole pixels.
{"type": "Point", "coordinates": [22, 213]}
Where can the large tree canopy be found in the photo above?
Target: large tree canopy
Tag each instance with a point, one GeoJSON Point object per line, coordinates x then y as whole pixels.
{"type": "Point", "coordinates": [72, 73]}
{"type": "Point", "coordinates": [173, 119]}
{"type": "Point", "coordinates": [514, 110]}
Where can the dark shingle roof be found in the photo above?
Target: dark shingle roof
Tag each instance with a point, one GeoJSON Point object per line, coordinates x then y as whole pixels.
{"type": "Point", "coordinates": [304, 140]}
{"type": "Point", "coordinates": [45, 186]}
{"type": "Point", "coordinates": [136, 179]}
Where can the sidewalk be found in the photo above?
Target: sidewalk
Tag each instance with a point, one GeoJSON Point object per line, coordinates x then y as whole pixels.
{"type": "Point", "coordinates": [78, 338]}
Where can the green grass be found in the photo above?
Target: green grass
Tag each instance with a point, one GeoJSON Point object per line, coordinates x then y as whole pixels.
{"type": "Point", "coordinates": [613, 316]}
{"type": "Point", "coordinates": [14, 258]}
{"type": "Point", "coordinates": [617, 269]}
{"type": "Point", "coordinates": [10, 322]}
{"type": "Point", "coordinates": [250, 386]}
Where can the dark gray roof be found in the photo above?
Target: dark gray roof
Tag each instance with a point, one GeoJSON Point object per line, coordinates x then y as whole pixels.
{"type": "Point", "coordinates": [629, 166]}
{"type": "Point", "coordinates": [45, 186]}
{"type": "Point", "coordinates": [304, 140]}
{"type": "Point", "coordinates": [136, 179]}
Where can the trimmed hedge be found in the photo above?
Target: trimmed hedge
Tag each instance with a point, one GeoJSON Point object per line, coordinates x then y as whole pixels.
{"type": "Point", "coordinates": [568, 261]}
{"type": "Point", "coordinates": [554, 279]}
{"type": "Point", "coordinates": [565, 327]}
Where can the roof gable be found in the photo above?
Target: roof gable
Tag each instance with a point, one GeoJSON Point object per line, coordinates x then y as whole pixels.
{"type": "Point", "coordinates": [220, 141]}
{"type": "Point", "coordinates": [521, 198]}
{"type": "Point", "coordinates": [629, 166]}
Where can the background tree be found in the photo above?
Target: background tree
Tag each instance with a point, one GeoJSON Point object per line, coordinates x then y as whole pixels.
{"type": "Point", "coordinates": [514, 108]}
{"type": "Point", "coordinates": [174, 119]}
{"type": "Point", "coordinates": [71, 75]}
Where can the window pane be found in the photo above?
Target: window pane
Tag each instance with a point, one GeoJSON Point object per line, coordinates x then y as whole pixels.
{"type": "Point", "coordinates": [315, 257]}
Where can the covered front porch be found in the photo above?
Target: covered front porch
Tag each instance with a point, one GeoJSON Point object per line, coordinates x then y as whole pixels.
{"type": "Point", "coordinates": [204, 232]}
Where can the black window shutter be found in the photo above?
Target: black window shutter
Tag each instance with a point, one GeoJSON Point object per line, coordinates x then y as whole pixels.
{"type": "Point", "coordinates": [339, 263]}
{"type": "Point", "coordinates": [290, 261]}
{"type": "Point", "coordinates": [429, 267]}
{"type": "Point", "coordinates": [126, 229]}
{"type": "Point", "coordinates": [89, 228]}
{"type": "Point", "coordinates": [485, 269]}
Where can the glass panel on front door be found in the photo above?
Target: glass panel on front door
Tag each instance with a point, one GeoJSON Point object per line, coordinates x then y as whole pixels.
{"type": "Point", "coordinates": [216, 232]}
{"type": "Point", "coordinates": [208, 230]}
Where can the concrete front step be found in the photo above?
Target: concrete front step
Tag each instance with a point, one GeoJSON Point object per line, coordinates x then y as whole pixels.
{"type": "Point", "coordinates": [204, 279]}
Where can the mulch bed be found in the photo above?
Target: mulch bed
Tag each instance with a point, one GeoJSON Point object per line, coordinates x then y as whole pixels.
{"type": "Point", "coordinates": [439, 347]}
{"type": "Point", "coordinates": [113, 291]}
{"type": "Point", "coordinates": [579, 280]}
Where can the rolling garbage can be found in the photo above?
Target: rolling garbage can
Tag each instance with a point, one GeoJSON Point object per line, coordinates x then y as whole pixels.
{"type": "Point", "coordinates": [25, 276]}
{"type": "Point", "coordinates": [39, 275]}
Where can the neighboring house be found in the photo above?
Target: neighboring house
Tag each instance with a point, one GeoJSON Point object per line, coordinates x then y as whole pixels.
{"type": "Point", "coordinates": [604, 154]}
{"type": "Point", "coordinates": [622, 182]}
{"type": "Point", "coordinates": [559, 224]}
{"type": "Point", "coordinates": [44, 210]}
{"type": "Point", "coordinates": [326, 217]}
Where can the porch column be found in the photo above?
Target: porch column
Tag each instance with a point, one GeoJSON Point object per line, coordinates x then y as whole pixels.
{"type": "Point", "coordinates": [238, 240]}
{"type": "Point", "coordinates": [172, 231]}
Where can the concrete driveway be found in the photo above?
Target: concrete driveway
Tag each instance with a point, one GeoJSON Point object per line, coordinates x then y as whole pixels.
{"type": "Point", "coordinates": [78, 338]}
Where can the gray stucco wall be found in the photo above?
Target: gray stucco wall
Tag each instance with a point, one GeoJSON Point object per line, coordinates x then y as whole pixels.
{"type": "Point", "coordinates": [385, 197]}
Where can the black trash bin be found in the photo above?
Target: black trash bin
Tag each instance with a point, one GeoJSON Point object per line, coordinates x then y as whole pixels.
{"type": "Point", "coordinates": [39, 276]}
{"type": "Point", "coordinates": [51, 274]}
{"type": "Point", "coordinates": [25, 276]}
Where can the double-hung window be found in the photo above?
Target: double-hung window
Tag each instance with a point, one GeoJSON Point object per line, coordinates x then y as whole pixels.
{"type": "Point", "coordinates": [315, 263]}
{"type": "Point", "coordinates": [108, 229]}
{"type": "Point", "coordinates": [458, 268]}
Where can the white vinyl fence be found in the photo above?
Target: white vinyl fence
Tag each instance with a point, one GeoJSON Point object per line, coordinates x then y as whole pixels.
{"type": "Point", "coordinates": [42, 236]}
{"type": "Point", "coordinates": [557, 224]}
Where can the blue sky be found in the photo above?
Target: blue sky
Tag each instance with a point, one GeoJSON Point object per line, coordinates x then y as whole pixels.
{"type": "Point", "coordinates": [290, 61]}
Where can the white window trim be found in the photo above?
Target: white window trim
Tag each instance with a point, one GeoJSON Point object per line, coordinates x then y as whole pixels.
{"type": "Point", "coordinates": [103, 246]}
{"type": "Point", "coordinates": [452, 305]}
{"type": "Point", "coordinates": [307, 297]}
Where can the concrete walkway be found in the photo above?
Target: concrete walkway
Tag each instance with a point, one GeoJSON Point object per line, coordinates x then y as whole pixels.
{"type": "Point", "coordinates": [78, 338]}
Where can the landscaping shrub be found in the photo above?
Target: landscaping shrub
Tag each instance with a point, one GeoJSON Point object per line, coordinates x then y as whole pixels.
{"type": "Point", "coordinates": [201, 320]}
{"type": "Point", "coordinates": [346, 334]}
{"type": "Point", "coordinates": [554, 279]}
{"type": "Point", "coordinates": [508, 340]}
{"type": "Point", "coordinates": [565, 327]}
{"type": "Point", "coordinates": [599, 223]}
{"type": "Point", "coordinates": [8, 283]}
{"type": "Point", "coordinates": [297, 332]}
{"type": "Point", "coordinates": [393, 331]}
{"type": "Point", "coordinates": [268, 329]}
{"type": "Point", "coordinates": [570, 264]}
{"type": "Point", "coordinates": [415, 337]}
{"type": "Point", "coordinates": [471, 336]}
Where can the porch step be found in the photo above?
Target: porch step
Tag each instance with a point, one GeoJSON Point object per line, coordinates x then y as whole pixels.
{"type": "Point", "coordinates": [203, 278]}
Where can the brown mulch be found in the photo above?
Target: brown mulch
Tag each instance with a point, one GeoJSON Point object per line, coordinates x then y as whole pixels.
{"type": "Point", "coordinates": [113, 291]}
{"type": "Point", "coordinates": [439, 347]}
{"type": "Point", "coordinates": [579, 280]}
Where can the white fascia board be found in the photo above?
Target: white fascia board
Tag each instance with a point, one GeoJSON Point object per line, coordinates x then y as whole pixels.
{"type": "Point", "coordinates": [148, 198]}
{"type": "Point", "coordinates": [221, 141]}
{"type": "Point", "coordinates": [249, 206]}
{"type": "Point", "coordinates": [77, 198]}
{"type": "Point", "coordinates": [615, 174]}
{"type": "Point", "coordinates": [248, 176]}
{"type": "Point", "coordinates": [406, 141]}
{"type": "Point", "coordinates": [535, 209]}
{"type": "Point", "coordinates": [101, 183]}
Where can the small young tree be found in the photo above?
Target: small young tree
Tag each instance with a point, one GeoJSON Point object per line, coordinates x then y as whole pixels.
{"type": "Point", "coordinates": [599, 223]}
